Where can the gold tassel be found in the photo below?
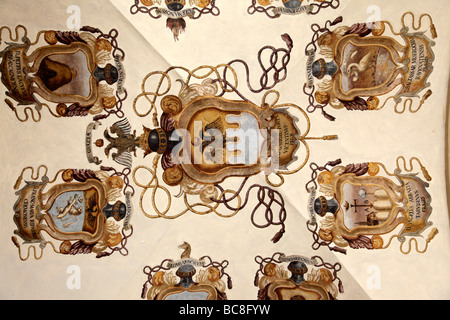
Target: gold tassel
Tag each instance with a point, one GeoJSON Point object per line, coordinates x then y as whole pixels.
{"type": "Point", "coordinates": [432, 234]}
{"type": "Point", "coordinates": [18, 182]}
{"type": "Point", "coordinates": [230, 283]}
{"type": "Point", "coordinates": [15, 241]}
{"type": "Point", "coordinates": [433, 31]}
{"type": "Point", "coordinates": [426, 174]}
{"type": "Point", "coordinates": [426, 95]}
{"type": "Point", "coordinates": [330, 137]}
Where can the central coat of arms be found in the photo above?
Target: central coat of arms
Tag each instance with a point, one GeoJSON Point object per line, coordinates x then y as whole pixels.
{"type": "Point", "coordinates": [202, 138]}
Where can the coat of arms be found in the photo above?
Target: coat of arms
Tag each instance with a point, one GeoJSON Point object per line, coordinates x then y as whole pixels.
{"type": "Point", "coordinates": [362, 205]}
{"type": "Point", "coordinates": [297, 281]}
{"type": "Point", "coordinates": [87, 212]}
{"type": "Point", "coordinates": [72, 74]}
{"type": "Point", "coordinates": [194, 279]}
{"type": "Point", "coordinates": [364, 66]}
{"type": "Point", "coordinates": [176, 11]}
{"type": "Point", "coordinates": [203, 139]}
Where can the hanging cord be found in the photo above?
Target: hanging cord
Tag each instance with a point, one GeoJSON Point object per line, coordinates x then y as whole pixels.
{"type": "Point", "coordinates": [318, 242]}
{"type": "Point", "coordinates": [263, 261]}
{"type": "Point", "coordinates": [41, 246]}
{"type": "Point", "coordinates": [402, 239]}
{"type": "Point", "coordinates": [149, 271]}
{"type": "Point", "coordinates": [316, 168]}
{"type": "Point", "coordinates": [266, 197]}
{"type": "Point", "coordinates": [279, 72]}
{"type": "Point", "coordinates": [323, 5]}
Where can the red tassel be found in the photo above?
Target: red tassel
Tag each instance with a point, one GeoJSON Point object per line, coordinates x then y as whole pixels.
{"type": "Point", "coordinates": [230, 283]}
{"type": "Point", "coordinates": [286, 38]}
{"type": "Point", "coordinates": [328, 116]}
{"type": "Point", "coordinates": [337, 20]}
{"type": "Point", "coordinates": [341, 287]}
{"type": "Point", "coordinates": [256, 281]}
{"type": "Point", "coordinates": [144, 291]}
{"type": "Point", "coordinates": [278, 236]}
{"type": "Point", "coordinates": [338, 249]}
{"type": "Point", "coordinates": [100, 117]}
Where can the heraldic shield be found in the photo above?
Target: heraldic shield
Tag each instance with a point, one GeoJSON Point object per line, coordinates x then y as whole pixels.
{"type": "Point", "coordinates": [233, 123]}
{"type": "Point", "coordinates": [70, 211]}
{"type": "Point", "coordinates": [372, 66]}
{"type": "Point", "coordinates": [375, 205]}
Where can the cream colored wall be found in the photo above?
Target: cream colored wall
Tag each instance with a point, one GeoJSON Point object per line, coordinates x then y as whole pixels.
{"type": "Point", "coordinates": [363, 136]}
